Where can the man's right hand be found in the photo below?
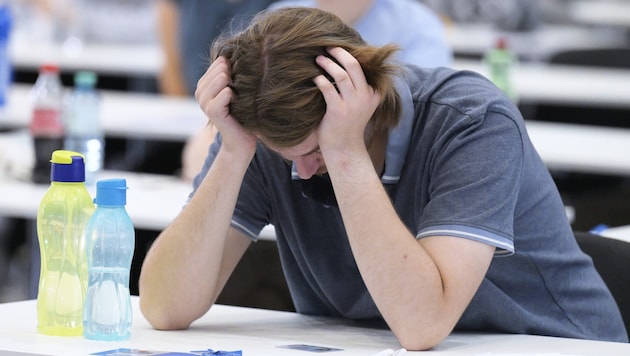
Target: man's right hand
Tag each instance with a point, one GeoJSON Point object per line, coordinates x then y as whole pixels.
{"type": "Point", "coordinates": [214, 96]}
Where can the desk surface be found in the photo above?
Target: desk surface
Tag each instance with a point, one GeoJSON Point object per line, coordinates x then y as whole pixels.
{"type": "Point", "coordinates": [582, 148]}
{"type": "Point", "coordinates": [598, 12]}
{"type": "Point", "coordinates": [477, 39]}
{"type": "Point", "coordinates": [576, 86]}
{"type": "Point", "coordinates": [123, 114]}
{"type": "Point", "coordinates": [260, 332]}
{"type": "Point", "coordinates": [153, 201]}
{"type": "Point", "coordinates": [537, 45]}
{"type": "Point", "coordinates": [127, 59]}
{"type": "Point", "coordinates": [619, 233]}
{"type": "Point", "coordinates": [169, 118]}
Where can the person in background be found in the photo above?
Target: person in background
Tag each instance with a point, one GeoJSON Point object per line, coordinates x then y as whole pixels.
{"type": "Point", "coordinates": [415, 28]}
{"type": "Point", "coordinates": [398, 193]}
{"type": "Point", "coordinates": [504, 15]}
{"type": "Point", "coordinates": [187, 29]}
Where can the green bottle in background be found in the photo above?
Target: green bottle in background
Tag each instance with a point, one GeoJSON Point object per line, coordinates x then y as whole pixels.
{"type": "Point", "coordinates": [500, 62]}
{"type": "Point", "coordinates": [62, 218]}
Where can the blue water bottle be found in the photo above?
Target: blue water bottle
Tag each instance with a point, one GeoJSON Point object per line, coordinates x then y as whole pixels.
{"type": "Point", "coordinates": [110, 241]}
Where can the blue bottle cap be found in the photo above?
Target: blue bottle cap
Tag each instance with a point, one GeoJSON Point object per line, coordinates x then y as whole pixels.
{"type": "Point", "coordinates": [111, 192]}
{"type": "Point", "coordinates": [67, 166]}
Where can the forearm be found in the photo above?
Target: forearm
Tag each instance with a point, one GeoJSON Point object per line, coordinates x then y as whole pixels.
{"type": "Point", "coordinates": [181, 273]}
{"type": "Point", "coordinates": [420, 287]}
{"type": "Point", "coordinates": [401, 276]}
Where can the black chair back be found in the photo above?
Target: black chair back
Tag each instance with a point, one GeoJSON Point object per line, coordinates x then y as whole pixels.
{"type": "Point", "coordinates": [611, 258]}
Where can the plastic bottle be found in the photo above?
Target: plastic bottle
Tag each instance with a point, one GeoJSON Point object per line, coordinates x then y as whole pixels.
{"type": "Point", "coordinates": [62, 218]}
{"type": "Point", "coordinates": [46, 125]}
{"type": "Point", "coordinates": [6, 76]}
{"type": "Point", "coordinates": [500, 62]}
{"type": "Point", "coordinates": [82, 124]}
{"type": "Point", "coordinates": [110, 246]}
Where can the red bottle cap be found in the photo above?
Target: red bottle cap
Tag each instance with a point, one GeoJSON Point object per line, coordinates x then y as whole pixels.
{"type": "Point", "coordinates": [49, 67]}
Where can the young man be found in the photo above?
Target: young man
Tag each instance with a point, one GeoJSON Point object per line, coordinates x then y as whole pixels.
{"type": "Point", "coordinates": [415, 28]}
{"type": "Point", "coordinates": [397, 193]}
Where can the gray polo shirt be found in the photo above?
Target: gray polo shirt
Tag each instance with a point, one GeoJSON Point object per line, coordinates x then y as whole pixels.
{"type": "Point", "coordinates": [460, 164]}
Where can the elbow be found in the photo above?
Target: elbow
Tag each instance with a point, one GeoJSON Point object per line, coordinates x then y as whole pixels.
{"type": "Point", "coordinates": [162, 318]}
{"type": "Point", "coordinates": [418, 343]}
{"type": "Point", "coordinates": [420, 339]}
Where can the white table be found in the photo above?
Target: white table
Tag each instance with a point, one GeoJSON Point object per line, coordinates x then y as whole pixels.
{"type": "Point", "coordinates": [600, 12]}
{"type": "Point", "coordinates": [537, 45]}
{"type": "Point", "coordinates": [476, 39]}
{"type": "Point", "coordinates": [170, 118]}
{"type": "Point", "coordinates": [618, 232]}
{"type": "Point", "coordinates": [123, 114]}
{"type": "Point", "coordinates": [575, 86]}
{"type": "Point", "coordinates": [123, 59]}
{"type": "Point", "coordinates": [260, 332]}
{"type": "Point", "coordinates": [582, 148]}
{"type": "Point", "coordinates": [153, 200]}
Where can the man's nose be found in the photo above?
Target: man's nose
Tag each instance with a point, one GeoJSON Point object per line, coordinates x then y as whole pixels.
{"type": "Point", "coordinates": [307, 166]}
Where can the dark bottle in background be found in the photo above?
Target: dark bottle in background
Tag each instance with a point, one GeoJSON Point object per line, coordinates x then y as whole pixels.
{"type": "Point", "coordinates": [46, 125]}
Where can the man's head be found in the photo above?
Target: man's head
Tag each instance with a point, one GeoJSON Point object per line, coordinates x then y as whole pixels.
{"type": "Point", "coordinates": [273, 66]}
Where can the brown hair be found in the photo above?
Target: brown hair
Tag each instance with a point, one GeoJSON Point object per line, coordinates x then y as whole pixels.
{"type": "Point", "coordinates": [273, 66]}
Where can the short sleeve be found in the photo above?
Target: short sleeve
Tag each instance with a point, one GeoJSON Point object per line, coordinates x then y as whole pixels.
{"type": "Point", "coordinates": [475, 179]}
{"type": "Point", "coordinates": [251, 213]}
{"type": "Point", "coordinates": [253, 209]}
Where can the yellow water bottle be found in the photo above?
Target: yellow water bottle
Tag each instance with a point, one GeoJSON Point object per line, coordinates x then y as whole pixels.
{"type": "Point", "coordinates": [61, 222]}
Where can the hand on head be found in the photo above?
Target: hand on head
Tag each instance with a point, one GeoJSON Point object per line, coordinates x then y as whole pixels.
{"type": "Point", "coordinates": [214, 96]}
{"type": "Point", "coordinates": [350, 101]}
